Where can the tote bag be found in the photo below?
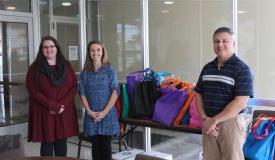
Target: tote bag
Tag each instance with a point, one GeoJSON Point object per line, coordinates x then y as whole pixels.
{"type": "Point", "coordinates": [144, 99]}
{"type": "Point", "coordinates": [124, 101]}
{"type": "Point", "coordinates": [118, 106]}
{"type": "Point", "coordinates": [168, 106]}
{"type": "Point", "coordinates": [195, 118]}
{"type": "Point", "coordinates": [135, 78]}
{"type": "Point", "coordinates": [260, 143]}
{"type": "Point", "coordinates": [185, 107]}
{"type": "Point", "coordinates": [186, 118]}
{"type": "Point", "coordinates": [132, 80]}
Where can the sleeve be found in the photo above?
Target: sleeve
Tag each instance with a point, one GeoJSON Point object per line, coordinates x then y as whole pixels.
{"type": "Point", "coordinates": [81, 85]}
{"type": "Point", "coordinates": [198, 88]}
{"type": "Point", "coordinates": [38, 96]}
{"type": "Point", "coordinates": [73, 87]}
{"type": "Point", "coordinates": [114, 81]}
{"type": "Point", "coordinates": [244, 83]}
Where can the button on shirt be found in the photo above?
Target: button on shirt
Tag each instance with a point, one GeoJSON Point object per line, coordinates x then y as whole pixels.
{"type": "Point", "coordinates": [97, 87]}
{"type": "Point", "coordinates": [219, 86]}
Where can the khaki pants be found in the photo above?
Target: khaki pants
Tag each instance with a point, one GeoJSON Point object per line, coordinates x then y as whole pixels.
{"type": "Point", "coordinates": [229, 143]}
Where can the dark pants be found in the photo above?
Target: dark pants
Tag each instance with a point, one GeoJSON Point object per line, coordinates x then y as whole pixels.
{"type": "Point", "coordinates": [101, 147]}
{"type": "Point", "coordinates": [56, 148]}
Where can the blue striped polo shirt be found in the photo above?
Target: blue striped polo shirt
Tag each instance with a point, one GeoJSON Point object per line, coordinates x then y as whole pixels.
{"type": "Point", "coordinates": [218, 87]}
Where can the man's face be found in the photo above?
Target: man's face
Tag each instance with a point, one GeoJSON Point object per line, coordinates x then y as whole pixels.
{"type": "Point", "coordinates": [223, 44]}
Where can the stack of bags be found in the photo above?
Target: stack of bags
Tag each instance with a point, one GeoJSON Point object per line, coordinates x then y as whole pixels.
{"type": "Point", "coordinates": [176, 106]}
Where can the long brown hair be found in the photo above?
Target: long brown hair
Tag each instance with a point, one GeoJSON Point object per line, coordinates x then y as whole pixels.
{"type": "Point", "coordinates": [56, 76]}
{"type": "Point", "coordinates": [88, 66]}
{"type": "Point", "coordinates": [40, 58]}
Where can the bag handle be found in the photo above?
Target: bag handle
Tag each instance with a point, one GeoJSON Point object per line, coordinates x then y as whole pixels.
{"type": "Point", "coordinates": [255, 126]}
{"type": "Point", "coordinates": [140, 71]}
{"type": "Point", "coordinates": [260, 118]}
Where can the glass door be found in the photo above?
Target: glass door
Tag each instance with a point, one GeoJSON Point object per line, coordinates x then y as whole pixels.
{"type": "Point", "coordinates": [64, 26]}
{"type": "Point", "coordinates": [66, 31]}
{"type": "Point", "coordinates": [15, 53]}
{"type": "Point", "coordinates": [67, 35]}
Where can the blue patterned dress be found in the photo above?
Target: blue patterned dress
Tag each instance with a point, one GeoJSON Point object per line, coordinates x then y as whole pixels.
{"type": "Point", "coordinates": [98, 87]}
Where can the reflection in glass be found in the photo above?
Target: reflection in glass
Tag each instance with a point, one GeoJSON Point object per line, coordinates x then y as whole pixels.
{"type": "Point", "coordinates": [16, 5]}
{"type": "Point", "coordinates": [2, 106]}
{"type": "Point", "coordinates": [44, 18]}
{"type": "Point", "coordinates": [180, 34]}
{"type": "Point", "coordinates": [256, 43]}
{"type": "Point", "coordinates": [61, 9]}
{"type": "Point", "coordinates": [13, 67]}
{"type": "Point", "coordinates": [118, 25]}
{"type": "Point", "coordinates": [67, 36]}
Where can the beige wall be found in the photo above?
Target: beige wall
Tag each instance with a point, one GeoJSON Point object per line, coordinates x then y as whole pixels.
{"type": "Point", "coordinates": [256, 43]}
{"type": "Point", "coordinates": [181, 34]}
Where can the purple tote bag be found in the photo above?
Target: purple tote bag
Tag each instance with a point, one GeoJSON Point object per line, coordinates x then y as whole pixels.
{"type": "Point", "coordinates": [168, 106]}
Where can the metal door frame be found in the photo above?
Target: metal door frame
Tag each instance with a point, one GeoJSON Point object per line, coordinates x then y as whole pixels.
{"type": "Point", "coordinates": [28, 21]}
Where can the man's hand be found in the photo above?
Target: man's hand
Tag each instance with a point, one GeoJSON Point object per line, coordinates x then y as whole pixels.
{"type": "Point", "coordinates": [209, 126]}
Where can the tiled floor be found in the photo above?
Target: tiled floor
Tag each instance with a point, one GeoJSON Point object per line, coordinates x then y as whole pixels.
{"type": "Point", "coordinates": [183, 147]}
{"type": "Point", "coordinates": [32, 149]}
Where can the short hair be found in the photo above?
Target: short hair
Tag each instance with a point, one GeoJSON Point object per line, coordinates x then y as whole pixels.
{"type": "Point", "coordinates": [224, 29]}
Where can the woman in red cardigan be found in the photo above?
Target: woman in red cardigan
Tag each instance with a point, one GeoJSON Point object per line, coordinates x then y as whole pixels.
{"type": "Point", "coordinates": [52, 86]}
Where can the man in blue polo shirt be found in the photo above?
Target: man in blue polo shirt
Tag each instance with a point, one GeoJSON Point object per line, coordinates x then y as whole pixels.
{"type": "Point", "coordinates": [222, 91]}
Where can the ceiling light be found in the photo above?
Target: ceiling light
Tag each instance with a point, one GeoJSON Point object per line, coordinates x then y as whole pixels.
{"type": "Point", "coordinates": [241, 12]}
{"type": "Point", "coordinates": [165, 11]}
{"type": "Point", "coordinates": [11, 8]}
{"type": "Point", "coordinates": [169, 2]}
{"type": "Point", "coordinates": [43, 2]}
{"type": "Point", "coordinates": [66, 4]}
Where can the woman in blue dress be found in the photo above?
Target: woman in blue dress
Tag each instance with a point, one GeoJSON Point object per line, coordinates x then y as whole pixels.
{"type": "Point", "coordinates": [99, 91]}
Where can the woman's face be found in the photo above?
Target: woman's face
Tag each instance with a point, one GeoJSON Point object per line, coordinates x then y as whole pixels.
{"type": "Point", "coordinates": [96, 52]}
{"type": "Point", "coordinates": [49, 50]}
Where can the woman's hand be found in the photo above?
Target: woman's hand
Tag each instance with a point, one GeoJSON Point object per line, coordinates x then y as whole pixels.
{"type": "Point", "coordinates": [100, 116]}
{"type": "Point", "coordinates": [93, 115]}
{"type": "Point", "coordinates": [61, 109]}
{"type": "Point", "coordinates": [53, 112]}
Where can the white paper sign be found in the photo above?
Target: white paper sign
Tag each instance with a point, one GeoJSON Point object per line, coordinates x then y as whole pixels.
{"type": "Point", "coordinates": [73, 54]}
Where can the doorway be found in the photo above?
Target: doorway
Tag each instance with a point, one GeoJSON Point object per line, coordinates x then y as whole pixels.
{"type": "Point", "coordinates": [15, 52]}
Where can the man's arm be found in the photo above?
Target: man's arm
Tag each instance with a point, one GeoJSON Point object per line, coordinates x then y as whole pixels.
{"type": "Point", "coordinates": [232, 109]}
{"type": "Point", "coordinates": [208, 124]}
{"type": "Point", "coordinates": [200, 106]}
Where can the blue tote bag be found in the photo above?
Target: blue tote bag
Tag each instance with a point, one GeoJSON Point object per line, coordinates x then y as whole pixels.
{"type": "Point", "coordinates": [260, 143]}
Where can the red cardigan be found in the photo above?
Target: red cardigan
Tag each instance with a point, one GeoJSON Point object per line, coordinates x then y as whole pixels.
{"type": "Point", "coordinates": [45, 97]}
